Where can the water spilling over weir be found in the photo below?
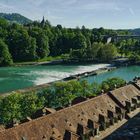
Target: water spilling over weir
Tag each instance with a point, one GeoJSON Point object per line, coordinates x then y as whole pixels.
{"type": "Point", "coordinates": [13, 78]}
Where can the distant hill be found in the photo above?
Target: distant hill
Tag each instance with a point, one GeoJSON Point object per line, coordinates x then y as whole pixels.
{"type": "Point", "coordinates": [15, 17]}
{"type": "Point", "coordinates": [135, 31]}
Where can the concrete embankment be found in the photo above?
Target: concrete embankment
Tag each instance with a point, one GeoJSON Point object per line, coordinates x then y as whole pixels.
{"type": "Point", "coordinates": [89, 73]}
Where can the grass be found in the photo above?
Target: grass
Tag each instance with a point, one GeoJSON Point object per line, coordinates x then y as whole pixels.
{"type": "Point", "coordinates": [47, 59]}
{"type": "Point", "coordinates": [50, 58]}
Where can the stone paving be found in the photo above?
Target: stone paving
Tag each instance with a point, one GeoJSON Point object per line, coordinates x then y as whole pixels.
{"type": "Point", "coordinates": [129, 131]}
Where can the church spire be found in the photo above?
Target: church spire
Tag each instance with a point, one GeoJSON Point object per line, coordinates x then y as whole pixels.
{"type": "Point", "coordinates": [43, 22]}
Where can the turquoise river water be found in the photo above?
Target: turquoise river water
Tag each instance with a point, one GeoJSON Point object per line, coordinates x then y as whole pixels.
{"type": "Point", "coordinates": [13, 78]}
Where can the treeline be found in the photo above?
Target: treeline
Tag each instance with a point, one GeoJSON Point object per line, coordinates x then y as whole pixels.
{"type": "Point", "coordinates": [37, 40]}
{"type": "Point", "coordinates": [130, 48]}
{"type": "Point", "coordinates": [97, 52]}
{"type": "Point", "coordinates": [20, 106]}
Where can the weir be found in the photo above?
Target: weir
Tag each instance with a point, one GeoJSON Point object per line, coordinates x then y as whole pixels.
{"type": "Point", "coordinates": [36, 76]}
{"type": "Point", "coordinates": [93, 119]}
{"type": "Point", "coordinates": [68, 78]}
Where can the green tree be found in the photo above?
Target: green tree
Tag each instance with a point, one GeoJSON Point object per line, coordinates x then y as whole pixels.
{"type": "Point", "coordinates": [21, 45]}
{"type": "Point", "coordinates": [42, 42]}
{"type": "Point", "coordinates": [96, 88]}
{"type": "Point", "coordinates": [79, 42]}
{"type": "Point", "coordinates": [5, 56]}
{"type": "Point", "coordinates": [63, 93]}
{"type": "Point", "coordinates": [43, 46]}
{"type": "Point", "coordinates": [92, 52]}
{"type": "Point", "coordinates": [86, 89]}
{"type": "Point", "coordinates": [107, 52]}
{"type": "Point", "coordinates": [112, 83]}
{"type": "Point", "coordinates": [30, 103]}
{"type": "Point", "coordinates": [10, 108]}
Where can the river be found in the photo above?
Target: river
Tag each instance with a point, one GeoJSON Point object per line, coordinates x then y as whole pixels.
{"type": "Point", "coordinates": [13, 78]}
{"type": "Point", "coordinates": [127, 73]}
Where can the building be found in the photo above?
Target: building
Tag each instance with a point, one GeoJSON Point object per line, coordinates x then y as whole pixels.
{"type": "Point", "coordinates": [94, 119]}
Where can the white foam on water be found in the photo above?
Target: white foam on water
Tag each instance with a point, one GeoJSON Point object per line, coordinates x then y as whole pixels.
{"type": "Point", "coordinates": [47, 75]}
{"type": "Point", "coordinates": [83, 69]}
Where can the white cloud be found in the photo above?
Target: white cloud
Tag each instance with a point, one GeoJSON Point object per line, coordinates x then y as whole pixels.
{"type": "Point", "coordinates": [36, 2]}
{"type": "Point", "coordinates": [52, 16]}
{"type": "Point", "coordinates": [100, 6]}
{"type": "Point", "coordinates": [5, 6]}
{"type": "Point", "coordinates": [70, 2]}
{"type": "Point", "coordinates": [131, 11]}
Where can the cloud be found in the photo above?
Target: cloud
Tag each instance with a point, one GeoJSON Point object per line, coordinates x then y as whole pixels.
{"type": "Point", "coordinates": [36, 2]}
{"type": "Point", "coordinates": [101, 6]}
{"type": "Point", "coordinates": [52, 16]}
{"type": "Point", "coordinates": [70, 2]}
{"type": "Point", "coordinates": [131, 11]}
{"type": "Point", "coordinates": [77, 12]}
{"type": "Point", "coordinates": [5, 6]}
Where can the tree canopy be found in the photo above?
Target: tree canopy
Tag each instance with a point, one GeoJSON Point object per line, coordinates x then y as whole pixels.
{"type": "Point", "coordinates": [38, 40]}
{"type": "Point", "coordinates": [5, 56]}
{"type": "Point", "coordinates": [61, 94]}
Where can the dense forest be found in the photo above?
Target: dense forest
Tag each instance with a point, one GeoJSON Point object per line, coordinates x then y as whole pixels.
{"type": "Point", "coordinates": [38, 40]}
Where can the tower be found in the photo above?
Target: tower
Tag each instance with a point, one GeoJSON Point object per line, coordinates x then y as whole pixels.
{"type": "Point", "coordinates": [43, 22]}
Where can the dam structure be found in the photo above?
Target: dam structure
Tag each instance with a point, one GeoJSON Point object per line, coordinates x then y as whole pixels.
{"type": "Point", "coordinates": [94, 118]}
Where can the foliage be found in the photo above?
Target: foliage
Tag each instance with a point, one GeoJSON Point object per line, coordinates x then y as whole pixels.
{"type": "Point", "coordinates": [10, 108]}
{"type": "Point", "coordinates": [98, 52]}
{"type": "Point", "coordinates": [5, 56]}
{"type": "Point", "coordinates": [130, 48]}
{"type": "Point", "coordinates": [19, 106]}
{"type": "Point", "coordinates": [112, 83]}
{"type": "Point", "coordinates": [107, 53]}
{"type": "Point", "coordinates": [38, 40]}
{"type": "Point", "coordinates": [21, 45]}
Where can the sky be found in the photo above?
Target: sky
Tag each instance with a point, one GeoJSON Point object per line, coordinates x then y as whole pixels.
{"type": "Point", "coordinates": [115, 14]}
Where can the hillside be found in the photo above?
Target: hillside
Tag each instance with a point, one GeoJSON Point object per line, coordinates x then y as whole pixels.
{"type": "Point", "coordinates": [135, 31]}
{"type": "Point", "coordinates": [14, 17]}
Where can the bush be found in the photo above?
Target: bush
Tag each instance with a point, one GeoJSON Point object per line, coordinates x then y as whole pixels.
{"type": "Point", "coordinates": [112, 83]}
{"type": "Point", "coordinates": [19, 106]}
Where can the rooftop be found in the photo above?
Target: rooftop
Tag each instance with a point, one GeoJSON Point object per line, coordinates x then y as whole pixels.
{"type": "Point", "coordinates": [78, 120]}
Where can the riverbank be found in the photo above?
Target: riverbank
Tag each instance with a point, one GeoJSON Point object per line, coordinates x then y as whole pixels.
{"type": "Point", "coordinates": [53, 62]}
{"type": "Point", "coordinates": [47, 61]}
{"type": "Point", "coordinates": [120, 62]}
